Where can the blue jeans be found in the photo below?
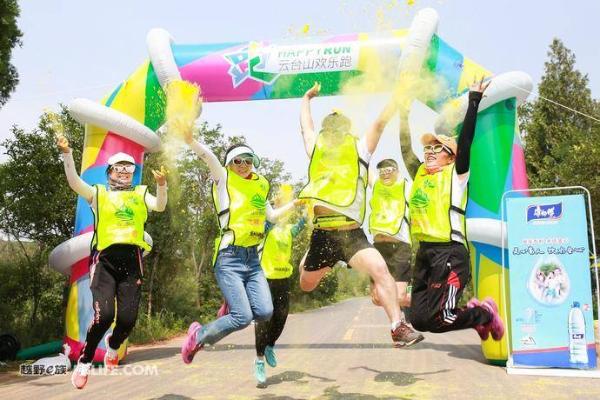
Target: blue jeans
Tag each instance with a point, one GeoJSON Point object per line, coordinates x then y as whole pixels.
{"type": "Point", "coordinates": [245, 289]}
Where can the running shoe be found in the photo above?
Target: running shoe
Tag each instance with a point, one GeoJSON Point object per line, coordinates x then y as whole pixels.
{"type": "Point", "coordinates": [483, 329]}
{"type": "Point", "coordinates": [496, 325]}
{"type": "Point", "coordinates": [260, 372]}
{"type": "Point", "coordinates": [223, 310]}
{"type": "Point", "coordinates": [111, 357]}
{"type": "Point", "coordinates": [270, 356]}
{"type": "Point", "coordinates": [80, 374]}
{"type": "Point", "coordinates": [405, 336]}
{"type": "Point", "coordinates": [190, 345]}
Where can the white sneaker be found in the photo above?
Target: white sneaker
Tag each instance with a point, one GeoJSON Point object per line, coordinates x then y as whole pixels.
{"type": "Point", "coordinates": [80, 374]}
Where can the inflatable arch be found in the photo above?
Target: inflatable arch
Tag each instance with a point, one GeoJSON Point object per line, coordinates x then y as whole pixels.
{"type": "Point", "coordinates": [128, 117]}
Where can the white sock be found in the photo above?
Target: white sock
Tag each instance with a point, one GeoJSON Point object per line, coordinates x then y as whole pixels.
{"type": "Point", "coordinates": [261, 358]}
{"type": "Point", "coordinates": [396, 324]}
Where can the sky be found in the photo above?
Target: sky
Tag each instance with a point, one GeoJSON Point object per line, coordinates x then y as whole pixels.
{"type": "Point", "coordinates": [84, 49]}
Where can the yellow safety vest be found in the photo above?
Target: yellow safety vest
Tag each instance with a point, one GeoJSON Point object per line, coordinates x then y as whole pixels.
{"type": "Point", "coordinates": [120, 217]}
{"type": "Point", "coordinates": [431, 207]}
{"type": "Point", "coordinates": [244, 211]}
{"type": "Point", "coordinates": [388, 208]}
{"type": "Point", "coordinates": [276, 252]}
{"type": "Point", "coordinates": [335, 172]}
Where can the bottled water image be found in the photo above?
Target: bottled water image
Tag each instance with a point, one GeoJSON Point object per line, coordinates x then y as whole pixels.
{"type": "Point", "coordinates": [577, 343]}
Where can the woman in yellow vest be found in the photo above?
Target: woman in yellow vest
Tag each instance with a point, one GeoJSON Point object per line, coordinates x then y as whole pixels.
{"type": "Point", "coordinates": [389, 224]}
{"type": "Point", "coordinates": [337, 185]}
{"type": "Point", "coordinates": [437, 212]}
{"type": "Point", "coordinates": [120, 210]}
{"type": "Point", "coordinates": [275, 259]}
{"type": "Point", "coordinates": [240, 197]}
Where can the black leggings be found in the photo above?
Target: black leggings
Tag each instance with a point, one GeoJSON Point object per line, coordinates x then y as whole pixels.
{"type": "Point", "coordinates": [442, 271]}
{"type": "Point", "coordinates": [266, 333]}
{"type": "Point", "coordinates": [115, 272]}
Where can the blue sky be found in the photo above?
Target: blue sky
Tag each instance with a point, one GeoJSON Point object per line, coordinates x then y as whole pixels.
{"type": "Point", "coordinates": [84, 49]}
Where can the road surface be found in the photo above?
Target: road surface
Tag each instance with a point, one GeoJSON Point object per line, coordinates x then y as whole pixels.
{"type": "Point", "coordinates": [337, 352]}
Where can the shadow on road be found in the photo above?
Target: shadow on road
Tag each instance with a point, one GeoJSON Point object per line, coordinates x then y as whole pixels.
{"type": "Point", "coordinates": [462, 351]}
{"type": "Point", "coordinates": [295, 377]}
{"type": "Point", "coordinates": [332, 393]}
{"type": "Point", "coordinates": [150, 354]}
{"type": "Point", "coordinates": [398, 378]}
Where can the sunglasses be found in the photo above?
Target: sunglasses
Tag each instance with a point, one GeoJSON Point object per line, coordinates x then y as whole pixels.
{"type": "Point", "coordinates": [245, 160]}
{"type": "Point", "coordinates": [386, 170]}
{"type": "Point", "coordinates": [121, 168]}
{"type": "Point", "coordinates": [436, 148]}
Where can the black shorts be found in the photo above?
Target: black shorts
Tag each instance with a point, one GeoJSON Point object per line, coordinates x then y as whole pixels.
{"type": "Point", "coordinates": [397, 256]}
{"type": "Point", "coordinates": [328, 247]}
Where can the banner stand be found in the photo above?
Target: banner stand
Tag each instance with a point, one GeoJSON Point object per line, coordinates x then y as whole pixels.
{"type": "Point", "coordinates": [549, 371]}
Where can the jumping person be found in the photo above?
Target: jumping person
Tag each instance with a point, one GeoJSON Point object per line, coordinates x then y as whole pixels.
{"type": "Point", "coordinates": [437, 209]}
{"type": "Point", "coordinates": [275, 259]}
{"type": "Point", "coordinates": [337, 184]}
{"type": "Point", "coordinates": [240, 197]}
{"type": "Point", "coordinates": [390, 226]}
{"type": "Point", "coordinates": [120, 212]}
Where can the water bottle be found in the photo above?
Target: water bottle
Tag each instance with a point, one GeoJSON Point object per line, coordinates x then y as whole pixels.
{"type": "Point", "coordinates": [577, 343]}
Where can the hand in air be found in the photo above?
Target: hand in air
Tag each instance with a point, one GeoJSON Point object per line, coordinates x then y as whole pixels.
{"type": "Point", "coordinates": [480, 85]}
{"type": "Point", "coordinates": [63, 144]}
{"type": "Point", "coordinates": [160, 176]}
{"type": "Point", "coordinates": [313, 91]}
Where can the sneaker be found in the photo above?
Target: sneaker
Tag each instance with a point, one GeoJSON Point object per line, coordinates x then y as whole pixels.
{"type": "Point", "coordinates": [260, 372]}
{"type": "Point", "coordinates": [190, 345]}
{"type": "Point", "coordinates": [482, 330]}
{"type": "Point", "coordinates": [111, 357]}
{"type": "Point", "coordinates": [405, 336]}
{"type": "Point", "coordinates": [496, 325]}
{"type": "Point", "coordinates": [270, 356]}
{"type": "Point", "coordinates": [223, 310]}
{"type": "Point", "coordinates": [80, 374]}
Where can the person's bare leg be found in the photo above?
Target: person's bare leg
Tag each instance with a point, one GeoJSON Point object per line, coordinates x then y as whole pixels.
{"type": "Point", "coordinates": [403, 297]}
{"type": "Point", "coordinates": [374, 297]}
{"type": "Point", "coordinates": [371, 262]}
{"type": "Point", "coordinates": [309, 280]}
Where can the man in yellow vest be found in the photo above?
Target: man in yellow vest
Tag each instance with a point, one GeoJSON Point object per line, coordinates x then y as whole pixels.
{"type": "Point", "coordinates": [337, 185]}
{"type": "Point", "coordinates": [240, 197]}
{"type": "Point", "coordinates": [275, 259]}
{"type": "Point", "coordinates": [437, 212]}
{"type": "Point", "coordinates": [389, 224]}
{"type": "Point", "coordinates": [116, 271]}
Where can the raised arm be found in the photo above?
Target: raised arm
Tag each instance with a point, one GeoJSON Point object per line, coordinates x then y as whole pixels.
{"type": "Point", "coordinates": [411, 162]}
{"type": "Point", "coordinates": [214, 165]}
{"type": "Point", "coordinates": [273, 214]}
{"type": "Point", "coordinates": [376, 130]}
{"type": "Point", "coordinates": [306, 122]}
{"type": "Point", "coordinates": [463, 153]}
{"type": "Point", "coordinates": [158, 203]}
{"type": "Point", "coordinates": [75, 182]}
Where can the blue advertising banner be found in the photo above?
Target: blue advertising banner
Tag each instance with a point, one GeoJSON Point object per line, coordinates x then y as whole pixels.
{"type": "Point", "coordinates": [552, 322]}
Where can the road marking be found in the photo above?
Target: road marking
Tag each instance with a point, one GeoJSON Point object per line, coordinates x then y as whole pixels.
{"type": "Point", "coordinates": [348, 335]}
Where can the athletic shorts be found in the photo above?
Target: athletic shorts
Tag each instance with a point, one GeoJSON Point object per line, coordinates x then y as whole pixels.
{"type": "Point", "coordinates": [397, 256]}
{"type": "Point", "coordinates": [327, 247]}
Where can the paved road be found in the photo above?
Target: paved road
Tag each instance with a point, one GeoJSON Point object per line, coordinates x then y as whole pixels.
{"type": "Point", "coordinates": [337, 352]}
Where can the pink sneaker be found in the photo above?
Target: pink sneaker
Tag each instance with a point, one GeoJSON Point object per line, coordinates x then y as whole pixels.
{"type": "Point", "coordinates": [223, 310]}
{"type": "Point", "coordinates": [482, 330]}
{"type": "Point", "coordinates": [111, 357]}
{"type": "Point", "coordinates": [496, 325]}
{"type": "Point", "coordinates": [190, 345]}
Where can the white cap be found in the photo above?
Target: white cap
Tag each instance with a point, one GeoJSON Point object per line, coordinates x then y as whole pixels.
{"type": "Point", "coordinates": [238, 151]}
{"type": "Point", "coordinates": [120, 157]}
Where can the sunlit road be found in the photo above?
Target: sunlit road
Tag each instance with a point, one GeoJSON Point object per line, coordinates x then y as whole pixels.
{"type": "Point", "coordinates": [338, 352]}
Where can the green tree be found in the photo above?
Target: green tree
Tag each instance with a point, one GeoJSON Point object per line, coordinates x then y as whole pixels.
{"type": "Point", "coordinates": [36, 213]}
{"type": "Point", "coordinates": [10, 36]}
{"type": "Point", "coordinates": [561, 146]}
